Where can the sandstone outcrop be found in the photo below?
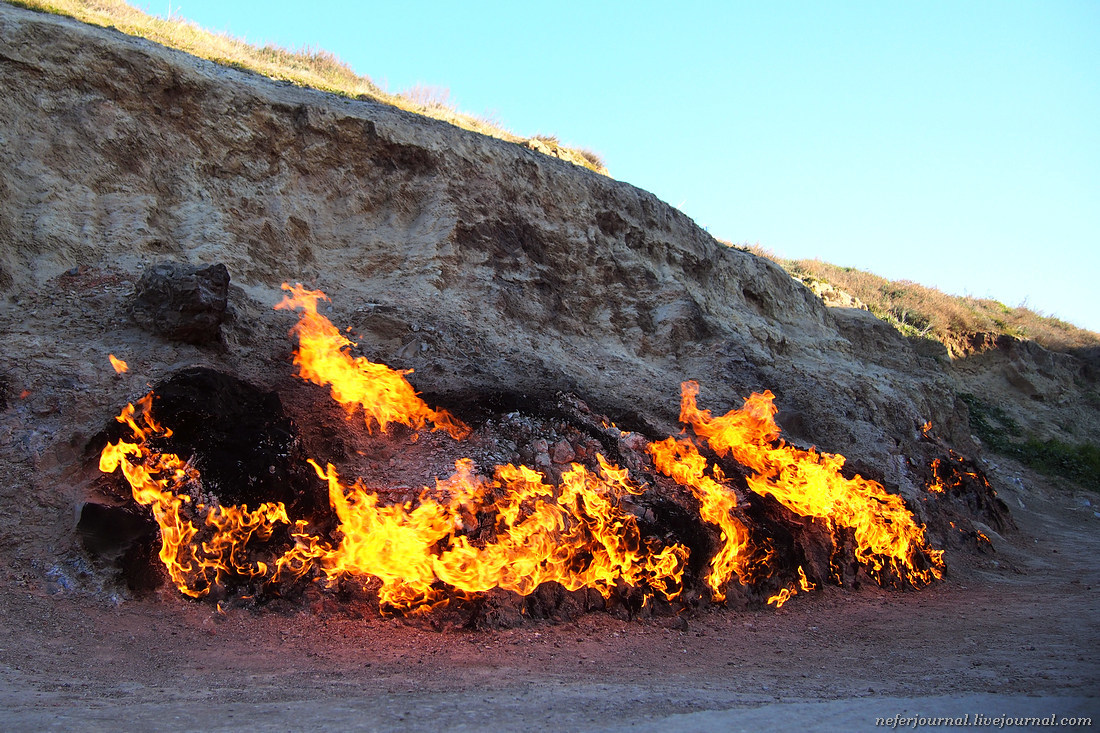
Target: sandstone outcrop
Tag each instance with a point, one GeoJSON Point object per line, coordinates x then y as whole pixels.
{"type": "Point", "coordinates": [493, 271]}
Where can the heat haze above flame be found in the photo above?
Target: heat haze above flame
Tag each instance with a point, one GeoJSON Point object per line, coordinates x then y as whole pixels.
{"type": "Point", "coordinates": [577, 531]}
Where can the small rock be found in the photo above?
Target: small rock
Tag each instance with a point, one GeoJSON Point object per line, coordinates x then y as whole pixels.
{"type": "Point", "coordinates": [562, 452]}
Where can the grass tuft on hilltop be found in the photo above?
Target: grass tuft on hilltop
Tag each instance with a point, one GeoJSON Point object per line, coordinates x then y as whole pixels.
{"type": "Point", "coordinates": [920, 311]}
{"type": "Point", "coordinates": [313, 68]}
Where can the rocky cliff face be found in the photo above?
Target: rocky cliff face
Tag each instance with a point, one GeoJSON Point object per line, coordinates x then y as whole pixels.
{"type": "Point", "coordinates": [491, 270]}
{"type": "Point", "coordinates": [1050, 395]}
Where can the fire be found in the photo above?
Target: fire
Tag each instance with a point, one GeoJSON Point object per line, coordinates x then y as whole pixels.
{"type": "Point", "coordinates": [118, 364]}
{"type": "Point", "coordinates": [680, 460]}
{"type": "Point", "coordinates": [888, 539]}
{"type": "Point", "coordinates": [936, 487]}
{"type": "Point", "coordinates": [200, 558]}
{"type": "Point", "coordinates": [383, 394]}
{"type": "Point", "coordinates": [785, 594]}
{"type": "Point", "coordinates": [574, 534]}
{"type": "Point", "coordinates": [511, 528]}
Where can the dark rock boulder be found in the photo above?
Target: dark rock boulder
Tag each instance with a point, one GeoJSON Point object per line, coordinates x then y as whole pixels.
{"type": "Point", "coordinates": [182, 302]}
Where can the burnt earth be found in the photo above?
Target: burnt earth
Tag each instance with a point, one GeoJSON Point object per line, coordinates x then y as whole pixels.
{"type": "Point", "coordinates": [248, 450]}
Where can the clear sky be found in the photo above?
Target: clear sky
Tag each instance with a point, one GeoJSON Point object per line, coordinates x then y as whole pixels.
{"type": "Point", "coordinates": [955, 144]}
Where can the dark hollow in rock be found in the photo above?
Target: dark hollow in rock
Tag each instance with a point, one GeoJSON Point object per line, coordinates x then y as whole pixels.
{"type": "Point", "coordinates": [238, 437]}
{"type": "Point", "coordinates": [107, 531]}
{"type": "Point", "coordinates": [245, 448]}
{"type": "Point", "coordinates": [125, 538]}
{"type": "Point", "coordinates": [182, 302]}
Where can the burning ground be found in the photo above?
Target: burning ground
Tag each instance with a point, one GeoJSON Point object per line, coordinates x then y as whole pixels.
{"type": "Point", "coordinates": [74, 656]}
{"type": "Point", "coordinates": [662, 524]}
{"type": "Point", "coordinates": [556, 316]}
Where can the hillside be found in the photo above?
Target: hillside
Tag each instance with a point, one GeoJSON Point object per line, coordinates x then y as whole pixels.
{"type": "Point", "coordinates": [965, 325]}
{"type": "Point", "coordinates": [567, 528]}
{"type": "Point", "coordinates": [917, 310]}
{"type": "Point", "coordinates": [316, 69]}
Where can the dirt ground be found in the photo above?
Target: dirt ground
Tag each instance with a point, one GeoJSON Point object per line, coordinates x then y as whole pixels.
{"type": "Point", "coordinates": [1011, 633]}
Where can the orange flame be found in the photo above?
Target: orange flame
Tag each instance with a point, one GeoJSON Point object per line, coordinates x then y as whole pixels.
{"type": "Point", "coordinates": [574, 534]}
{"type": "Point", "coordinates": [119, 365]}
{"type": "Point", "coordinates": [680, 460]}
{"type": "Point", "coordinates": [811, 484]}
{"type": "Point", "coordinates": [161, 480]}
{"type": "Point", "coordinates": [936, 487]}
{"type": "Point", "coordinates": [785, 594]}
{"type": "Point", "coordinates": [383, 394]}
{"type": "Point", "coordinates": [514, 531]}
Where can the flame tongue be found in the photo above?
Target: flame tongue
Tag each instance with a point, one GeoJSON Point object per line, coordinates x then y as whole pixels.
{"type": "Point", "coordinates": [383, 394]}
{"type": "Point", "coordinates": [811, 484]}
{"type": "Point", "coordinates": [680, 460]}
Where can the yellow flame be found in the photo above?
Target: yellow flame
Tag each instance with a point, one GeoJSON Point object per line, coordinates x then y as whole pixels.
{"type": "Point", "coordinates": [471, 533]}
{"type": "Point", "coordinates": [680, 460]}
{"type": "Point", "coordinates": [574, 534]}
{"type": "Point", "coordinates": [198, 558]}
{"type": "Point", "coordinates": [810, 484]}
{"type": "Point", "coordinates": [383, 394]}
{"type": "Point", "coordinates": [785, 594]}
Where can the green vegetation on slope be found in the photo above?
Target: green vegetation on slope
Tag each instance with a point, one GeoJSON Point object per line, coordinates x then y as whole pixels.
{"type": "Point", "coordinates": [310, 68]}
{"type": "Point", "coordinates": [1078, 462]}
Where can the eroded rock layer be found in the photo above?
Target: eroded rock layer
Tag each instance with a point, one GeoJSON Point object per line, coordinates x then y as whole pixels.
{"type": "Point", "coordinates": [493, 271]}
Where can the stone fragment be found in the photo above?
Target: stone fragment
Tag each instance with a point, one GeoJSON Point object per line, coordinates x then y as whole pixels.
{"type": "Point", "coordinates": [182, 302]}
{"type": "Point", "coordinates": [562, 453]}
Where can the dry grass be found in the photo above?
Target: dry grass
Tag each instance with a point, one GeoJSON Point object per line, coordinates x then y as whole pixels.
{"type": "Point", "coordinates": [311, 68]}
{"type": "Point", "coordinates": [916, 310]}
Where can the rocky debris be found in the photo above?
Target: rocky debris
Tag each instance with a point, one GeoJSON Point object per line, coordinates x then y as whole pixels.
{"type": "Point", "coordinates": [182, 302]}
{"type": "Point", "coordinates": [562, 453]}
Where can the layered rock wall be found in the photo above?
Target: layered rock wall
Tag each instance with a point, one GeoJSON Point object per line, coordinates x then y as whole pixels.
{"type": "Point", "coordinates": [483, 265]}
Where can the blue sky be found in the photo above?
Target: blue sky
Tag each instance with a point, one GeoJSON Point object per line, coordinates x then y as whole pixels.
{"type": "Point", "coordinates": [955, 144]}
